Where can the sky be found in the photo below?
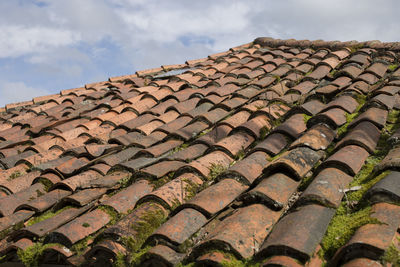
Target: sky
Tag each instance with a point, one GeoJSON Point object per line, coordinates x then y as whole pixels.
{"type": "Point", "coordinates": [50, 45]}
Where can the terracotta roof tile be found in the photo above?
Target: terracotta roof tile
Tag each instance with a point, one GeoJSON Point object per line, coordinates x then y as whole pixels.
{"type": "Point", "coordinates": [234, 159]}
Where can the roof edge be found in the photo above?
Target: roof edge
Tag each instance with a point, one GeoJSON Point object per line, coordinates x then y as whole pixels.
{"type": "Point", "coordinates": [375, 44]}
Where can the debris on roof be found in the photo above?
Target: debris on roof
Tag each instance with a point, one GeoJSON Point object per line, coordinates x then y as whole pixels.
{"type": "Point", "coordinates": [276, 152]}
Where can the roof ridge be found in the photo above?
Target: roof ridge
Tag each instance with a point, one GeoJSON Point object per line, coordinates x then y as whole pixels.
{"type": "Point", "coordinates": [374, 44]}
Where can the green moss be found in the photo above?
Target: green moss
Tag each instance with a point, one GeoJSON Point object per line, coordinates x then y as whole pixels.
{"type": "Point", "coordinates": [31, 255]}
{"type": "Point", "coordinates": [355, 47]}
{"type": "Point", "coordinates": [192, 264]}
{"type": "Point", "coordinates": [144, 228]}
{"type": "Point", "coordinates": [125, 182]}
{"type": "Point", "coordinates": [46, 215]}
{"type": "Point", "coordinates": [114, 215]}
{"type": "Point", "coordinates": [393, 117]}
{"type": "Point", "coordinates": [347, 220]}
{"type": "Point", "coordinates": [361, 99]}
{"type": "Point", "coordinates": [308, 73]}
{"type": "Point", "coordinates": [342, 228]}
{"type": "Point", "coordinates": [179, 148]}
{"type": "Point", "coordinates": [14, 175]}
{"type": "Point", "coordinates": [80, 246]}
{"type": "Point", "coordinates": [163, 180]}
{"type": "Point", "coordinates": [46, 182]}
{"type": "Point", "coordinates": [240, 155]}
{"type": "Point", "coordinates": [391, 256]}
{"type": "Point", "coordinates": [120, 260]}
{"type": "Point", "coordinates": [392, 67]}
{"type": "Point", "coordinates": [191, 188]}
{"type": "Point", "coordinates": [204, 132]}
{"type": "Point", "coordinates": [263, 132]}
{"type": "Point", "coordinates": [175, 203]}
{"type": "Point", "coordinates": [215, 170]}
{"type": "Point", "coordinates": [270, 159]}
{"type": "Point", "coordinates": [277, 78]}
{"type": "Point", "coordinates": [306, 118]}
{"type": "Point", "coordinates": [333, 72]}
{"type": "Point", "coordinates": [86, 225]}
{"type": "Point", "coordinates": [343, 129]}
{"type": "Point", "coordinates": [136, 258]}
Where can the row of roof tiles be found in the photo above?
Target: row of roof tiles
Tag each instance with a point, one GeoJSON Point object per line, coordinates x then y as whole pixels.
{"type": "Point", "coordinates": [248, 152]}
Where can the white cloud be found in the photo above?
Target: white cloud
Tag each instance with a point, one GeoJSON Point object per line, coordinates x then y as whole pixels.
{"type": "Point", "coordinates": [18, 40]}
{"type": "Point", "coordinates": [70, 42]}
{"type": "Point", "coordinates": [11, 92]}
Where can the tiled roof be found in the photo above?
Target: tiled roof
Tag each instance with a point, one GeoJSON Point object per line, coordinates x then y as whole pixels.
{"type": "Point", "coordinates": [276, 152]}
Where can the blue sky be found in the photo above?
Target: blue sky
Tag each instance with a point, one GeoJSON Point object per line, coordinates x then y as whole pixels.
{"type": "Point", "coordinates": [50, 45]}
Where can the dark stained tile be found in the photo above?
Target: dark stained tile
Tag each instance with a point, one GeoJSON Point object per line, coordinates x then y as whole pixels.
{"type": "Point", "coordinates": [235, 143]}
{"type": "Point", "coordinates": [327, 188]}
{"type": "Point", "coordinates": [84, 197]}
{"type": "Point", "coordinates": [273, 191]}
{"type": "Point", "coordinates": [374, 115]}
{"type": "Point", "coordinates": [319, 137]}
{"type": "Point", "coordinates": [334, 117]}
{"type": "Point", "coordinates": [273, 144]}
{"type": "Point", "coordinates": [281, 261]}
{"type": "Point", "coordinates": [242, 232]}
{"type": "Point", "coordinates": [293, 126]}
{"type": "Point", "coordinates": [179, 227]}
{"type": "Point", "coordinates": [386, 190]}
{"type": "Point", "coordinates": [364, 134]}
{"type": "Point", "coordinates": [9, 203]}
{"type": "Point", "coordinates": [298, 233]}
{"type": "Point", "coordinates": [349, 159]}
{"type": "Point", "coordinates": [79, 228]}
{"type": "Point", "coordinates": [345, 102]}
{"type": "Point", "coordinates": [372, 239]}
{"type": "Point", "coordinates": [189, 153]}
{"type": "Point", "coordinates": [216, 197]}
{"type": "Point", "coordinates": [162, 256]}
{"type": "Point", "coordinates": [298, 162]}
{"type": "Point", "coordinates": [126, 199]}
{"type": "Point", "coordinates": [249, 168]}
